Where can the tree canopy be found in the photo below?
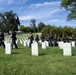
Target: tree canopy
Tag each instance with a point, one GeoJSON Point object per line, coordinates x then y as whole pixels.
{"type": "Point", "coordinates": [33, 25]}
{"type": "Point", "coordinates": [69, 5]}
{"type": "Point", "coordinates": [9, 20]}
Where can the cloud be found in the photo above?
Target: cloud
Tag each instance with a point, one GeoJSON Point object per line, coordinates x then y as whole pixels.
{"type": "Point", "coordinates": [46, 11]}
{"type": "Point", "coordinates": [46, 4]}
{"type": "Point", "coordinates": [40, 11]}
{"type": "Point", "coordinates": [28, 17]}
{"type": "Point", "coordinates": [9, 2]}
{"type": "Point", "coordinates": [40, 14]}
{"type": "Point", "coordinates": [17, 2]}
{"type": "Point", "coordinates": [14, 5]}
{"type": "Point", "coordinates": [55, 20]}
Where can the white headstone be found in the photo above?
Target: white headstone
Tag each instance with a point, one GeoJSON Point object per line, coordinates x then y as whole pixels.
{"type": "Point", "coordinates": [67, 49]}
{"type": "Point", "coordinates": [20, 41]}
{"type": "Point", "coordinates": [40, 41]}
{"type": "Point", "coordinates": [7, 48]}
{"type": "Point", "coordinates": [27, 46]}
{"type": "Point", "coordinates": [28, 43]}
{"type": "Point", "coordinates": [34, 48]}
{"type": "Point", "coordinates": [5, 42]}
{"type": "Point", "coordinates": [25, 43]}
{"type": "Point", "coordinates": [10, 40]}
{"type": "Point", "coordinates": [16, 41]}
{"type": "Point", "coordinates": [60, 44]}
{"type": "Point", "coordinates": [34, 41]}
{"type": "Point", "coordinates": [47, 44]}
{"type": "Point", "coordinates": [73, 43]}
{"type": "Point", "coordinates": [44, 45]}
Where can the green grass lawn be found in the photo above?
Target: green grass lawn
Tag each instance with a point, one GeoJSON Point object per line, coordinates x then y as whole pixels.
{"type": "Point", "coordinates": [49, 62]}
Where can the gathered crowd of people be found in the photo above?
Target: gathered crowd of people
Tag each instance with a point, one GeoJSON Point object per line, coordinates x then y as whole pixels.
{"type": "Point", "coordinates": [50, 38]}
{"type": "Point", "coordinates": [53, 39]}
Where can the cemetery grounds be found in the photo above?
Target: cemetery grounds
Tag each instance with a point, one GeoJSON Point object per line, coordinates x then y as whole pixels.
{"type": "Point", "coordinates": [49, 62]}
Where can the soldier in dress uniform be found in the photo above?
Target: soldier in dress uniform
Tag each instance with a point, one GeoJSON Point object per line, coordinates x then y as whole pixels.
{"type": "Point", "coordinates": [63, 38]}
{"type": "Point", "coordinates": [37, 38]}
{"type": "Point", "coordinates": [42, 38]}
{"type": "Point", "coordinates": [2, 38]}
{"type": "Point", "coordinates": [58, 38]}
{"type": "Point", "coordinates": [50, 39]}
{"type": "Point", "coordinates": [55, 40]}
{"type": "Point", "coordinates": [67, 38]}
{"type": "Point", "coordinates": [73, 37]}
{"type": "Point", "coordinates": [14, 38]}
{"type": "Point", "coordinates": [47, 38]}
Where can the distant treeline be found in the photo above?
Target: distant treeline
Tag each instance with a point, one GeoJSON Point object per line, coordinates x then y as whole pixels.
{"type": "Point", "coordinates": [46, 29]}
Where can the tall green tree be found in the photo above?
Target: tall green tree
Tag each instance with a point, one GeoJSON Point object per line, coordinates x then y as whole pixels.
{"type": "Point", "coordinates": [33, 25]}
{"type": "Point", "coordinates": [28, 29]}
{"type": "Point", "coordinates": [46, 30]}
{"type": "Point", "coordinates": [22, 28]}
{"type": "Point", "coordinates": [41, 25]}
{"type": "Point", "coordinates": [2, 22]}
{"type": "Point", "coordinates": [69, 5]}
{"type": "Point", "coordinates": [10, 20]}
{"type": "Point", "coordinates": [67, 30]}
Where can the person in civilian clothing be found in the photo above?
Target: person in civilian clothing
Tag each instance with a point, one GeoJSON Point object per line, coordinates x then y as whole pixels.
{"type": "Point", "coordinates": [31, 37]}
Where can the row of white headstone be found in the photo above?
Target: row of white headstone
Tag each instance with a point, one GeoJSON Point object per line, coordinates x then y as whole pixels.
{"type": "Point", "coordinates": [26, 43]}
{"type": "Point", "coordinates": [34, 47]}
{"type": "Point", "coordinates": [60, 44]}
{"type": "Point", "coordinates": [67, 47]}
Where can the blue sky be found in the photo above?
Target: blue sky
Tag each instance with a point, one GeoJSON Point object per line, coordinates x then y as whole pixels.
{"type": "Point", "coordinates": [46, 11]}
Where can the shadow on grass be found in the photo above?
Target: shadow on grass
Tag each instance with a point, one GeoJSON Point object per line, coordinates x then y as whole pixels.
{"type": "Point", "coordinates": [74, 51]}
{"type": "Point", "coordinates": [73, 54]}
{"type": "Point", "coordinates": [17, 48]}
{"type": "Point", "coordinates": [15, 53]}
{"type": "Point", "coordinates": [42, 54]}
{"type": "Point", "coordinates": [21, 48]}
